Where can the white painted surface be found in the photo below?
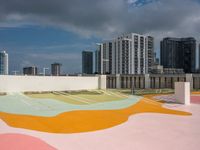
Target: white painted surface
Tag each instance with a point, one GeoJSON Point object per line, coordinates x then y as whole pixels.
{"type": "Point", "coordinates": [46, 83]}
{"type": "Point", "coordinates": [182, 92]}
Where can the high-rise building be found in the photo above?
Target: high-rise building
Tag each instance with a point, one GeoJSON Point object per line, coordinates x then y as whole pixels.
{"type": "Point", "coordinates": [137, 54]}
{"type": "Point", "coordinates": [55, 69]}
{"type": "Point", "coordinates": [150, 60]}
{"type": "Point", "coordinates": [107, 57]}
{"type": "Point", "coordinates": [87, 62]}
{"type": "Point", "coordinates": [99, 59]}
{"type": "Point", "coordinates": [127, 54]}
{"type": "Point", "coordinates": [103, 58]}
{"type": "Point", "coordinates": [3, 63]}
{"type": "Point", "coordinates": [178, 53]}
{"type": "Point", "coordinates": [30, 70]}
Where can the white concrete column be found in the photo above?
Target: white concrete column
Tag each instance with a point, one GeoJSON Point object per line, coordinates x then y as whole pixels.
{"type": "Point", "coordinates": [147, 81]}
{"type": "Point", "coordinates": [189, 78]}
{"type": "Point", "coordinates": [102, 82]}
{"type": "Point", "coordinates": [118, 81]}
{"type": "Point", "coordinates": [182, 92]}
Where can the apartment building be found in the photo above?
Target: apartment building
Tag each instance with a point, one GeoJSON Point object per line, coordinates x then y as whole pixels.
{"type": "Point", "coordinates": [179, 53]}
{"type": "Point", "coordinates": [56, 69]}
{"type": "Point", "coordinates": [3, 63]}
{"type": "Point", "coordinates": [87, 62]}
{"type": "Point", "coordinates": [127, 54]}
{"type": "Point", "coordinates": [30, 70]}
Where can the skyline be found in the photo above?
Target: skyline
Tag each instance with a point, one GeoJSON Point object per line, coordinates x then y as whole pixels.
{"type": "Point", "coordinates": [42, 35]}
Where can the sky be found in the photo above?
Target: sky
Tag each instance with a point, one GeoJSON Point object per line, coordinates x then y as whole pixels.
{"type": "Point", "coordinates": [41, 32]}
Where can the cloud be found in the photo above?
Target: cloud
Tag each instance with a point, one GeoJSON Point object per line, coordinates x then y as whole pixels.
{"type": "Point", "coordinates": [107, 18]}
{"type": "Point", "coordinates": [83, 17]}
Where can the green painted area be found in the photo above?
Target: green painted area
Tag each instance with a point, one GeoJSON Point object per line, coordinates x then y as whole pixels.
{"type": "Point", "coordinates": [55, 96]}
{"type": "Point", "coordinates": [18, 103]}
{"type": "Point", "coordinates": [82, 97]}
{"type": "Point", "coordinates": [147, 91]}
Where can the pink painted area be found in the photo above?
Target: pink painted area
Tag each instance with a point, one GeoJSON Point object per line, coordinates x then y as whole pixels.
{"type": "Point", "coordinates": [22, 142]}
{"type": "Point", "coordinates": [195, 99]}
{"type": "Point", "coordinates": [141, 132]}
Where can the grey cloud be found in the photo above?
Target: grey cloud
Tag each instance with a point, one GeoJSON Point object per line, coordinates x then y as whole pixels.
{"type": "Point", "coordinates": [104, 17]}
{"type": "Point", "coordinates": [107, 18]}
{"type": "Point", "coordinates": [78, 15]}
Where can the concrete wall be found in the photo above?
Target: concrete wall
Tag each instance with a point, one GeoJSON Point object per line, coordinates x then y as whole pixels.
{"type": "Point", "coordinates": [102, 82]}
{"type": "Point", "coordinates": [182, 92]}
{"type": "Point", "coordinates": [48, 83]}
{"type": "Point", "coordinates": [155, 81]}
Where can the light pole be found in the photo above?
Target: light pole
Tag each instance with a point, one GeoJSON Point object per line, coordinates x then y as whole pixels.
{"type": "Point", "coordinates": [44, 71]}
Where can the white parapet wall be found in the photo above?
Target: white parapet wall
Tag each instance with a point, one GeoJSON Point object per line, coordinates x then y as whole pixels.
{"type": "Point", "coordinates": [102, 82]}
{"type": "Point", "coordinates": [182, 92]}
{"type": "Point", "coordinates": [47, 83]}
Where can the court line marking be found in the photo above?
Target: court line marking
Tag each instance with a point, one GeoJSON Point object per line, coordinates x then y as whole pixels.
{"type": "Point", "coordinates": [118, 95]}
{"type": "Point", "coordinates": [72, 97]}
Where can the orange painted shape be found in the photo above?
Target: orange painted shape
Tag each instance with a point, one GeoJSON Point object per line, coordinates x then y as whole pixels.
{"type": "Point", "coordinates": [85, 120]}
{"type": "Point", "coordinates": [196, 92]}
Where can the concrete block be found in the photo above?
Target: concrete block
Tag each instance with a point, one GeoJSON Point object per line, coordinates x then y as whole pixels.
{"type": "Point", "coordinates": [182, 92]}
{"type": "Point", "coordinates": [102, 82]}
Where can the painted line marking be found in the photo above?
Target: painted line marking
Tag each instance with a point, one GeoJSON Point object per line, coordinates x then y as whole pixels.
{"type": "Point", "coordinates": [72, 97]}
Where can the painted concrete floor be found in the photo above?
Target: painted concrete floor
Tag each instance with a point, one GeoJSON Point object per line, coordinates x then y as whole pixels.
{"type": "Point", "coordinates": [152, 131]}
{"type": "Point", "coordinates": [19, 103]}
